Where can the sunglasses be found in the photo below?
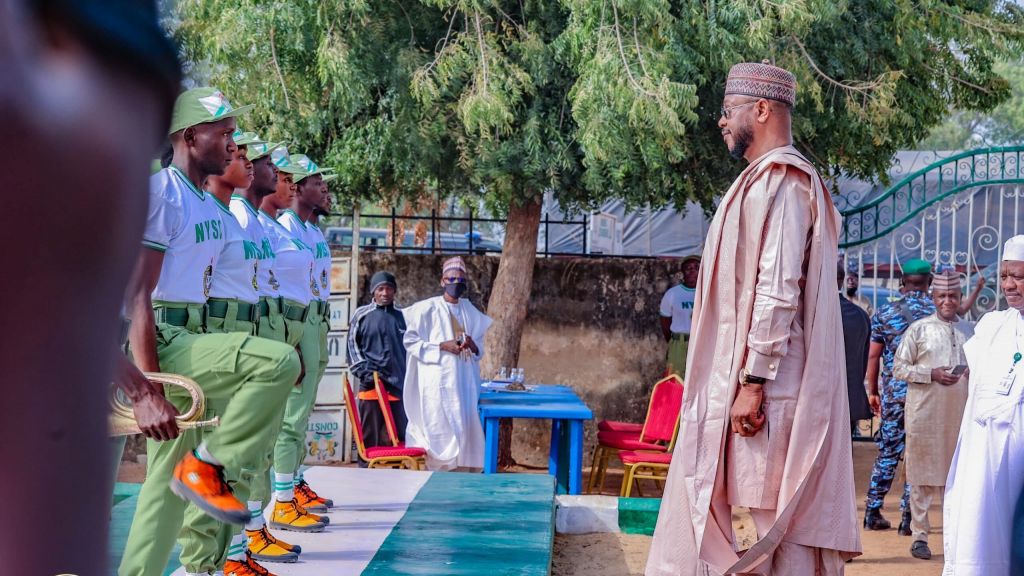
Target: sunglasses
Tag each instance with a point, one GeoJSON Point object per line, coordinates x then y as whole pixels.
{"type": "Point", "coordinates": [455, 280]}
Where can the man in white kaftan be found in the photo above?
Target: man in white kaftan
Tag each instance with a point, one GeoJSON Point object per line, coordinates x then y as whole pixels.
{"type": "Point", "coordinates": [444, 340]}
{"type": "Point", "coordinates": [987, 473]}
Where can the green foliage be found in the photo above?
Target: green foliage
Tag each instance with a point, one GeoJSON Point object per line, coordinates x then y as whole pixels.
{"type": "Point", "coordinates": [591, 99]}
{"type": "Point", "coordinates": [1003, 126]}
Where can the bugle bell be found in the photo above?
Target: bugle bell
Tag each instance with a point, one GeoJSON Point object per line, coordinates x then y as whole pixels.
{"type": "Point", "coordinates": [122, 417]}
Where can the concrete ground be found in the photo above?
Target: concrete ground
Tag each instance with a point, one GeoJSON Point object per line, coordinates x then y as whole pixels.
{"type": "Point", "coordinates": [885, 552]}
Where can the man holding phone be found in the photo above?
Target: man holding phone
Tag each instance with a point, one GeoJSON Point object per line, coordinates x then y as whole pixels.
{"type": "Point", "coordinates": [931, 360]}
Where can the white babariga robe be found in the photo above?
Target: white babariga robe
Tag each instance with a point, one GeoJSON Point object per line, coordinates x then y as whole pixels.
{"type": "Point", "coordinates": [987, 473]}
{"type": "Point", "coordinates": [442, 389]}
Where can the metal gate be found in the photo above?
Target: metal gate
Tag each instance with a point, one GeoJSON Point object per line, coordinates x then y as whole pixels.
{"type": "Point", "coordinates": [954, 212]}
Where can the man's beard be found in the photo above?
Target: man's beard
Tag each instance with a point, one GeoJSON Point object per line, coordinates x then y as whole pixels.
{"type": "Point", "coordinates": [741, 138]}
{"type": "Point", "coordinates": [851, 291]}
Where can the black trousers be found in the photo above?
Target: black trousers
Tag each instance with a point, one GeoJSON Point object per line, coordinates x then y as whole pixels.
{"type": "Point", "coordinates": [375, 432]}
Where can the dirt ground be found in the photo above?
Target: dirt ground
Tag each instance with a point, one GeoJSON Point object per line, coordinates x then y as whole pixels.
{"type": "Point", "coordinates": [884, 552]}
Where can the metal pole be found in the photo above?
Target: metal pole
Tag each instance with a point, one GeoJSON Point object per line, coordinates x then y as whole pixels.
{"type": "Point", "coordinates": [470, 230]}
{"type": "Point", "coordinates": [354, 272]}
{"type": "Point", "coordinates": [547, 234]}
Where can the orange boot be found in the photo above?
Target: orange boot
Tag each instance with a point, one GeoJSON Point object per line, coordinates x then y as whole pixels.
{"type": "Point", "coordinates": [203, 484]}
{"type": "Point", "coordinates": [309, 499]}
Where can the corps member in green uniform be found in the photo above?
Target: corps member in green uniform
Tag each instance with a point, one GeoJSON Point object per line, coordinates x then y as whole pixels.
{"type": "Point", "coordinates": [183, 240]}
{"type": "Point", "coordinates": [261, 544]}
{"type": "Point", "coordinates": [314, 237]}
{"type": "Point", "coordinates": [233, 307]}
{"type": "Point", "coordinates": [297, 284]}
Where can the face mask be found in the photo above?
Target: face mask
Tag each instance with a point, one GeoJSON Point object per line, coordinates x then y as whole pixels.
{"type": "Point", "coordinates": [455, 290]}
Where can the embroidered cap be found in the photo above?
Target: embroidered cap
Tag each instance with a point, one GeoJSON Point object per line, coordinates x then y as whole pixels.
{"type": "Point", "coordinates": [1014, 249]}
{"type": "Point", "coordinates": [455, 263]}
{"type": "Point", "coordinates": [761, 80]}
{"type": "Point", "coordinates": [947, 281]}
{"type": "Point", "coordinates": [200, 106]}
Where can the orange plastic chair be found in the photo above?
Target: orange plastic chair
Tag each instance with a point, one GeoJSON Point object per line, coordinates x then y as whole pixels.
{"type": "Point", "coordinates": [380, 456]}
{"type": "Point", "coordinates": [643, 466]}
{"type": "Point", "coordinates": [657, 435]}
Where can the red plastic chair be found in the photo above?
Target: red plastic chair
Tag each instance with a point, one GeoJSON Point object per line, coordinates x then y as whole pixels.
{"type": "Point", "coordinates": [657, 435]}
{"type": "Point", "coordinates": [643, 466]}
{"type": "Point", "coordinates": [380, 456]}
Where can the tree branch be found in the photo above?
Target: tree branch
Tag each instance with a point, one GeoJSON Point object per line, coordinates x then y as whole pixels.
{"type": "Point", "coordinates": [480, 40]}
{"type": "Point", "coordinates": [444, 44]}
{"type": "Point", "coordinates": [639, 55]}
{"type": "Point", "coordinates": [859, 87]}
{"type": "Point", "coordinates": [622, 54]}
{"type": "Point", "coordinates": [277, 67]}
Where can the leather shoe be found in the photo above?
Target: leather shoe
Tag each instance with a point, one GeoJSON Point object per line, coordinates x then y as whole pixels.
{"type": "Point", "coordinates": [873, 520]}
{"type": "Point", "coordinates": [921, 550]}
{"type": "Point", "coordinates": [904, 529]}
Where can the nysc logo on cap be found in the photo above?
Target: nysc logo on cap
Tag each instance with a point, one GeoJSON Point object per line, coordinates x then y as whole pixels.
{"type": "Point", "coordinates": [283, 162]}
{"type": "Point", "coordinates": [200, 106]}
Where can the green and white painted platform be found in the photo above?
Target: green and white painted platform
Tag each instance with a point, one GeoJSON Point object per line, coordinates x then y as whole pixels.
{"type": "Point", "coordinates": [588, 514]}
{"type": "Point", "coordinates": [390, 522]}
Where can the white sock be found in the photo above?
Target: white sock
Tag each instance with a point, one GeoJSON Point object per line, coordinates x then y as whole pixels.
{"type": "Point", "coordinates": [203, 453]}
{"type": "Point", "coordinates": [256, 512]}
{"type": "Point", "coordinates": [284, 487]}
{"type": "Point", "coordinates": [298, 477]}
{"type": "Point", "coordinates": [236, 550]}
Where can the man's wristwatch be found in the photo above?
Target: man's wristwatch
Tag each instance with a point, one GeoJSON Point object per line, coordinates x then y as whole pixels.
{"type": "Point", "coordinates": [747, 378]}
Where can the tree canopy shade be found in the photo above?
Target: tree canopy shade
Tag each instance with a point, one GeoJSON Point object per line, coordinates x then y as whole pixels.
{"type": "Point", "coordinates": [588, 99]}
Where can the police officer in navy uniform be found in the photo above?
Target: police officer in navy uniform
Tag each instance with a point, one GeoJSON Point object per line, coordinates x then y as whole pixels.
{"type": "Point", "coordinates": [887, 328]}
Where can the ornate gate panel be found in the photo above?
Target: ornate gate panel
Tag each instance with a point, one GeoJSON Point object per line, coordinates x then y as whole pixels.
{"type": "Point", "coordinates": [955, 212]}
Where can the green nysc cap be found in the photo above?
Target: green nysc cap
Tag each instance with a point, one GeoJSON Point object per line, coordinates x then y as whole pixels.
{"type": "Point", "coordinates": [279, 156]}
{"type": "Point", "coordinates": [916, 266]}
{"type": "Point", "coordinates": [308, 167]}
{"type": "Point", "coordinates": [202, 105]}
{"type": "Point", "coordinates": [260, 149]}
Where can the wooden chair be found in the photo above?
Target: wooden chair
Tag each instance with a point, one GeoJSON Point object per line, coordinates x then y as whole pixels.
{"type": "Point", "coordinates": [380, 456]}
{"type": "Point", "coordinates": [384, 400]}
{"type": "Point", "coordinates": [656, 435]}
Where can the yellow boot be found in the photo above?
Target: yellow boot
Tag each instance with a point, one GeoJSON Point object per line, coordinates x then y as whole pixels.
{"type": "Point", "coordinates": [290, 516]}
{"type": "Point", "coordinates": [266, 548]}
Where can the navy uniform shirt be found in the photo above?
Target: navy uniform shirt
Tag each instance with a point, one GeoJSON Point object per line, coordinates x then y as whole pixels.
{"type": "Point", "coordinates": [887, 328]}
{"type": "Point", "coordinates": [375, 345]}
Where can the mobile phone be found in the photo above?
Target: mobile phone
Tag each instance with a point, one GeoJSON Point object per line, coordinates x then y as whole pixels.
{"type": "Point", "coordinates": [958, 370]}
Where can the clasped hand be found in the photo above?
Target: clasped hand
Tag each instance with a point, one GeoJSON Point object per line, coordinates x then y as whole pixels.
{"type": "Point", "coordinates": [746, 415]}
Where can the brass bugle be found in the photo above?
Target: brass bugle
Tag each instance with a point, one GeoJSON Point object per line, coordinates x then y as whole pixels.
{"type": "Point", "coordinates": [122, 417]}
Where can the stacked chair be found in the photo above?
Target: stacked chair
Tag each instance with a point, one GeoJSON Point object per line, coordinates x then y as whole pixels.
{"type": "Point", "coordinates": [395, 456]}
{"type": "Point", "coordinates": [644, 449]}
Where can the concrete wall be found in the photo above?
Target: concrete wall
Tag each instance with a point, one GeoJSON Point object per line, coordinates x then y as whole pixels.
{"type": "Point", "coordinates": [591, 324]}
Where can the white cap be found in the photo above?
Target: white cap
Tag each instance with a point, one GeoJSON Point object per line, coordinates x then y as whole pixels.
{"type": "Point", "coordinates": [1014, 249]}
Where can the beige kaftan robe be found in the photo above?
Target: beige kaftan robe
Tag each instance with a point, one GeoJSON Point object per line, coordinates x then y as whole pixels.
{"type": "Point", "coordinates": [933, 411]}
{"type": "Point", "coordinates": [766, 300]}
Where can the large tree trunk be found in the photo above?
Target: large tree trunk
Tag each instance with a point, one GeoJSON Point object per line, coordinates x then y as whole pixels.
{"type": "Point", "coordinates": [509, 298]}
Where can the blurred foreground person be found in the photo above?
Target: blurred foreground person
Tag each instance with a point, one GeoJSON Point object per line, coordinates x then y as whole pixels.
{"type": "Point", "coordinates": [765, 410]}
{"type": "Point", "coordinates": [85, 99]}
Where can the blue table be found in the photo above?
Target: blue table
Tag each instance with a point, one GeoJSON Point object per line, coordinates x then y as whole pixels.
{"type": "Point", "coordinates": [561, 405]}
